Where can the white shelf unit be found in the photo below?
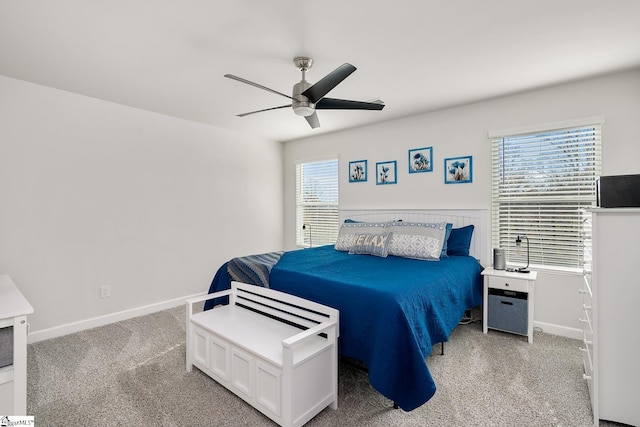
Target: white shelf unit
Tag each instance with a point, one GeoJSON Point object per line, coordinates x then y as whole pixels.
{"type": "Point", "coordinates": [609, 297]}
{"type": "Point", "coordinates": [13, 378]}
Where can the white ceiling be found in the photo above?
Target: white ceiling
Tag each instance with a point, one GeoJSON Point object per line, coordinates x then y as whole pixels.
{"type": "Point", "coordinates": [169, 56]}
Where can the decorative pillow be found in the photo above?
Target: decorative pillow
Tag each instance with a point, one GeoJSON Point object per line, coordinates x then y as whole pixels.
{"type": "Point", "coordinates": [446, 239]}
{"type": "Point", "coordinates": [372, 244]}
{"type": "Point", "coordinates": [348, 231]}
{"type": "Point", "coordinates": [460, 241]}
{"type": "Point", "coordinates": [417, 240]}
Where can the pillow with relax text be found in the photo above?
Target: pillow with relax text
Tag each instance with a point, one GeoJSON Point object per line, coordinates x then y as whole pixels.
{"type": "Point", "coordinates": [371, 244]}
{"type": "Point", "coordinates": [348, 231]}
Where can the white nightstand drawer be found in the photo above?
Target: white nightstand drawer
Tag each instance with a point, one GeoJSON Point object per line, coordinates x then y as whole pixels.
{"type": "Point", "coordinates": [508, 283]}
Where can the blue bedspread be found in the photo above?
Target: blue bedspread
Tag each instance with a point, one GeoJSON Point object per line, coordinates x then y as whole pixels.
{"type": "Point", "coordinates": [392, 310]}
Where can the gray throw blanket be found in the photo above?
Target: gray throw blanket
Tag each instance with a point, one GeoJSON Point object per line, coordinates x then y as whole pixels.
{"type": "Point", "coordinates": [253, 269]}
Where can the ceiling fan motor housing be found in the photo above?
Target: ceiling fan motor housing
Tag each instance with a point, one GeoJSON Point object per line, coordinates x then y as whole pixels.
{"type": "Point", "coordinates": [301, 104]}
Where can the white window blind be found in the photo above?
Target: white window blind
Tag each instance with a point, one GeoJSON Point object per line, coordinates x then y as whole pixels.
{"type": "Point", "coordinates": [317, 219]}
{"type": "Point", "coordinates": [542, 182]}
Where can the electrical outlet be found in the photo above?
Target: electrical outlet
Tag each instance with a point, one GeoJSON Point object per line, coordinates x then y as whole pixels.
{"type": "Point", "coordinates": [105, 291]}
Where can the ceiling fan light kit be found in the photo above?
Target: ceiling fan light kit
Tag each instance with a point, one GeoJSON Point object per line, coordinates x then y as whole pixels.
{"type": "Point", "coordinates": [307, 98]}
{"type": "Point", "coordinates": [301, 104]}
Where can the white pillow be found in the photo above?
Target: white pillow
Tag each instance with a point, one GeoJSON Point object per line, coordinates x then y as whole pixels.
{"type": "Point", "coordinates": [417, 240]}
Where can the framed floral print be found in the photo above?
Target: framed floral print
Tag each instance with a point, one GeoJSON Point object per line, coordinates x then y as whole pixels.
{"type": "Point", "coordinates": [386, 172]}
{"type": "Point", "coordinates": [421, 160]}
{"type": "Point", "coordinates": [358, 171]}
{"type": "Point", "coordinates": [458, 170]}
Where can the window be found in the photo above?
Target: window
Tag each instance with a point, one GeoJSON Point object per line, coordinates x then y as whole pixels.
{"type": "Point", "coordinates": [317, 219]}
{"type": "Point", "coordinates": [542, 182]}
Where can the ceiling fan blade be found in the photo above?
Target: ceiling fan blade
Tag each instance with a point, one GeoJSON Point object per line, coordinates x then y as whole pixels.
{"type": "Point", "coordinates": [345, 104]}
{"type": "Point", "coordinates": [313, 120]}
{"type": "Point", "coordinates": [266, 109]}
{"type": "Point", "coordinates": [240, 79]}
{"type": "Point", "coordinates": [328, 82]}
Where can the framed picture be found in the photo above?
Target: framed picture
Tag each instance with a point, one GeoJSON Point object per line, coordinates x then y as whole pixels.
{"type": "Point", "coordinates": [458, 170]}
{"type": "Point", "coordinates": [421, 160]}
{"type": "Point", "coordinates": [358, 171]}
{"type": "Point", "coordinates": [386, 172]}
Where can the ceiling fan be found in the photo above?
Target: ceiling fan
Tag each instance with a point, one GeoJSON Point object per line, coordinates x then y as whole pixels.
{"type": "Point", "coordinates": [308, 98]}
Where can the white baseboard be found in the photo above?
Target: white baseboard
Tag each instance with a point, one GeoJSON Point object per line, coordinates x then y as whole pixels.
{"type": "Point", "coordinates": [81, 325]}
{"type": "Point", "coordinates": [563, 331]}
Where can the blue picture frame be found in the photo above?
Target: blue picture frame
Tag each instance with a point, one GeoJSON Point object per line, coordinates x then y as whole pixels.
{"type": "Point", "coordinates": [387, 172]}
{"type": "Point", "coordinates": [458, 170]}
{"type": "Point", "coordinates": [421, 160]}
{"type": "Point", "coordinates": [358, 171]}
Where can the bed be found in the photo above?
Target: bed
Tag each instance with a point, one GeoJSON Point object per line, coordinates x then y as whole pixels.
{"type": "Point", "coordinates": [393, 309]}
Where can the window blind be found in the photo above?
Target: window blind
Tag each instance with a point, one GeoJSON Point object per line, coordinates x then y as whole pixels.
{"type": "Point", "coordinates": [317, 217]}
{"type": "Point", "coordinates": [541, 184]}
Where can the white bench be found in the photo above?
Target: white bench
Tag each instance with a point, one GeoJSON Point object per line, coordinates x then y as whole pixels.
{"type": "Point", "coordinates": [251, 347]}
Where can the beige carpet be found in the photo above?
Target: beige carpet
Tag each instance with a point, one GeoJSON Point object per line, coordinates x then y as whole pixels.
{"type": "Point", "coordinates": [133, 373]}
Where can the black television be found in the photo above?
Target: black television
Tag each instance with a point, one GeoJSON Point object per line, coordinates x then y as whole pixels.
{"type": "Point", "coordinates": [618, 191]}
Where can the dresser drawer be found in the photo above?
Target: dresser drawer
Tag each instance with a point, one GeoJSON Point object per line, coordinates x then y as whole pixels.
{"type": "Point", "coordinates": [587, 335]}
{"type": "Point", "coordinates": [586, 323]}
{"type": "Point", "coordinates": [587, 301]}
{"type": "Point", "coordinates": [587, 355]}
{"type": "Point", "coordinates": [588, 372]}
{"type": "Point", "coordinates": [508, 283]}
{"type": "Point", "coordinates": [585, 291]}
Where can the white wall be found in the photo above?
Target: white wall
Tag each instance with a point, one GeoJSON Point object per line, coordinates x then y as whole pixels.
{"type": "Point", "coordinates": [94, 193]}
{"type": "Point", "coordinates": [463, 131]}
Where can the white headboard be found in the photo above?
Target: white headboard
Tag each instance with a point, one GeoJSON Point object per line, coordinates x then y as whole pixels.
{"type": "Point", "coordinates": [480, 241]}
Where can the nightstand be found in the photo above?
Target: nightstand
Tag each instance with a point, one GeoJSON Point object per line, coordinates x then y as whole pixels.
{"type": "Point", "coordinates": [508, 301]}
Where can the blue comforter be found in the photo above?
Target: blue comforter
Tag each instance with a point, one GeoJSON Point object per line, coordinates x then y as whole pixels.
{"type": "Point", "coordinates": [392, 310]}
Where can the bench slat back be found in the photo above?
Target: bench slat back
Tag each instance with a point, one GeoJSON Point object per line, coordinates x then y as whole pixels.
{"type": "Point", "coordinates": [288, 308]}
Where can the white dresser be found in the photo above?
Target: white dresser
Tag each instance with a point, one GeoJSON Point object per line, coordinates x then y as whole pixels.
{"type": "Point", "coordinates": [13, 377]}
{"type": "Point", "coordinates": [610, 297]}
